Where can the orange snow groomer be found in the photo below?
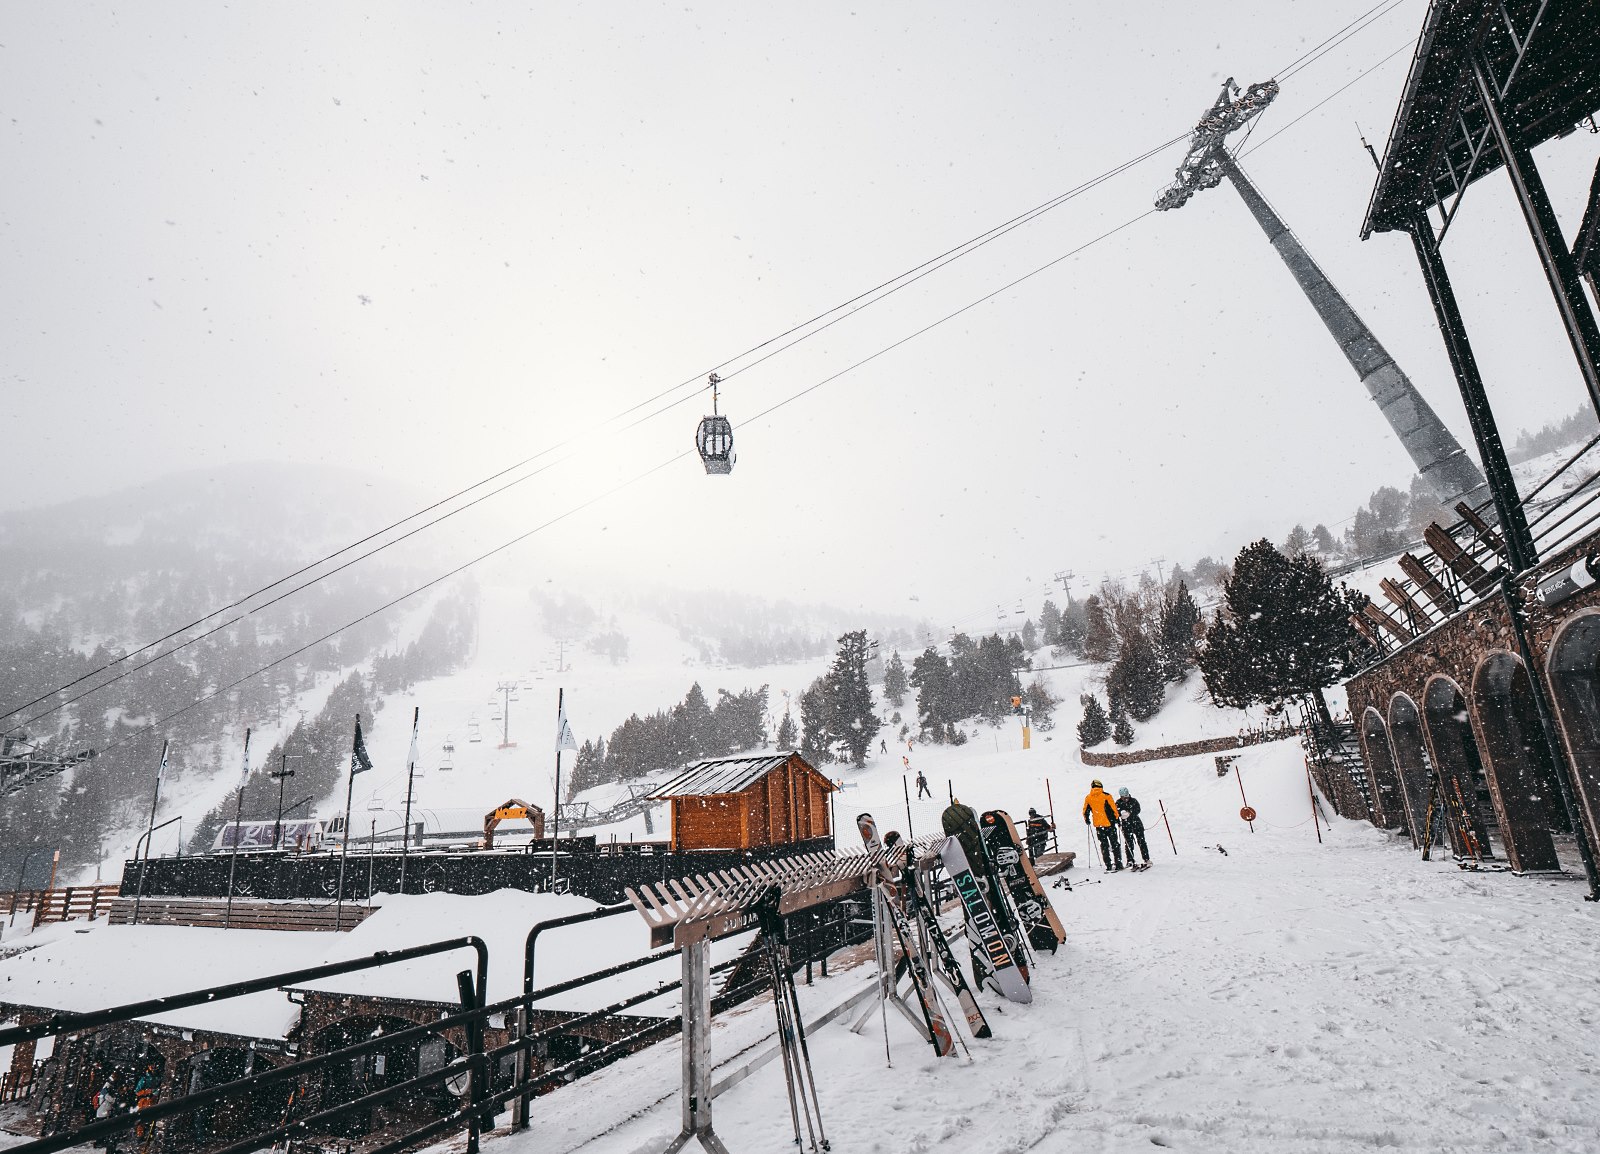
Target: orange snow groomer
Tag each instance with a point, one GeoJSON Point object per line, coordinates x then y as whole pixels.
{"type": "Point", "coordinates": [1100, 810]}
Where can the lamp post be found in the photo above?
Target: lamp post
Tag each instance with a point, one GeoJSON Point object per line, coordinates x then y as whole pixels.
{"type": "Point", "coordinates": [281, 774]}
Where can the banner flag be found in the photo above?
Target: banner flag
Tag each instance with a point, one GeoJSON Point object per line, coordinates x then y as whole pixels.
{"type": "Point", "coordinates": [360, 762]}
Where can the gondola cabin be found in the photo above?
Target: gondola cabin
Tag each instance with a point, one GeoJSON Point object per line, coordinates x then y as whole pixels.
{"type": "Point", "coordinates": [744, 803]}
{"type": "Point", "coordinates": [714, 438]}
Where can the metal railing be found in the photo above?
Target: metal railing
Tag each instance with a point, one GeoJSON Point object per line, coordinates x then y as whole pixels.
{"type": "Point", "coordinates": [314, 1107]}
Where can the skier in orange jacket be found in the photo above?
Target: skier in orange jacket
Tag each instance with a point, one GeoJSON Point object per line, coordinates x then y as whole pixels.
{"type": "Point", "coordinates": [1100, 810]}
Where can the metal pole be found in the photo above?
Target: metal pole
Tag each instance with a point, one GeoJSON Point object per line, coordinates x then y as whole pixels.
{"type": "Point", "coordinates": [1240, 779]}
{"type": "Point", "coordinates": [1167, 823]}
{"type": "Point", "coordinates": [1502, 486]}
{"type": "Point", "coordinates": [155, 800]}
{"type": "Point", "coordinates": [1315, 824]}
{"type": "Point", "coordinates": [372, 843]}
{"type": "Point", "coordinates": [1050, 803]}
{"type": "Point", "coordinates": [411, 769]}
{"type": "Point", "coordinates": [238, 833]}
{"type": "Point", "coordinates": [282, 773]}
{"type": "Point", "coordinates": [906, 789]}
{"type": "Point", "coordinates": [1430, 444]}
{"type": "Point", "coordinates": [344, 848]}
{"type": "Point", "coordinates": [555, 828]}
{"type": "Point", "coordinates": [1554, 256]}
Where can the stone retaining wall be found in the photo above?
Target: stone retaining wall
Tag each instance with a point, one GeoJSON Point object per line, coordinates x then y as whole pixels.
{"type": "Point", "coordinates": [1185, 749]}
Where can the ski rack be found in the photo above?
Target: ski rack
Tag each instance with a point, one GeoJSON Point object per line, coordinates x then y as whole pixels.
{"type": "Point", "coordinates": [690, 912]}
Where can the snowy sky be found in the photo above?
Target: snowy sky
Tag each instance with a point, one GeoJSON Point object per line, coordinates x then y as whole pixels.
{"type": "Point", "coordinates": [430, 240]}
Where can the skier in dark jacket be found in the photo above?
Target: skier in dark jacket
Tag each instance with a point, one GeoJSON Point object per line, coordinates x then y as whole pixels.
{"type": "Point", "coordinates": [1132, 824]}
{"type": "Point", "coordinates": [1100, 811]}
{"type": "Point", "coordinates": [1039, 828]}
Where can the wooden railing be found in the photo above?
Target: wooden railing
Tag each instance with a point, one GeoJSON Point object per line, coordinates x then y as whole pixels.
{"type": "Point", "coordinates": [64, 905]}
{"type": "Point", "coordinates": [244, 915]}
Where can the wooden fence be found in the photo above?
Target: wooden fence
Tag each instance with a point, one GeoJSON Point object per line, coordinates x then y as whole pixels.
{"type": "Point", "coordinates": [245, 915]}
{"type": "Point", "coordinates": [63, 905]}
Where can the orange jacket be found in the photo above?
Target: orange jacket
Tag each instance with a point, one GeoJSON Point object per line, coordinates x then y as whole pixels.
{"type": "Point", "coordinates": [1099, 806]}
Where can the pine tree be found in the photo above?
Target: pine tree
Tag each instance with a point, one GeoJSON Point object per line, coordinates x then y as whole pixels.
{"type": "Point", "coordinates": [1283, 631]}
{"type": "Point", "coordinates": [1298, 542]}
{"type": "Point", "coordinates": [1041, 704]}
{"type": "Point", "coordinates": [816, 731]}
{"type": "Point", "coordinates": [894, 681]}
{"type": "Point", "coordinates": [1122, 730]}
{"type": "Point", "coordinates": [1094, 727]}
{"type": "Point", "coordinates": [1074, 627]}
{"type": "Point", "coordinates": [786, 733]}
{"type": "Point", "coordinates": [1323, 539]}
{"type": "Point", "coordinates": [1030, 636]}
{"type": "Point", "coordinates": [1050, 623]}
{"type": "Point", "coordinates": [1136, 684]}
{"type": "Point", "coordinates": [1180, 617]}
{"type": "Point", "coordinates": [1099, 639]}
{"type": "Point", "coordinates": [853, 714]}
{"type": "Point", "coordinates": [934, 682]}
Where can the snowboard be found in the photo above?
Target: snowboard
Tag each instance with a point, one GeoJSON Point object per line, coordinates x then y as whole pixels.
{"type": "Point", "coordinates": [994, 960]}
{"type": "Point", "coordinates": [911, 960]}
{"type": "Point", "coordinates": [1017, 874]}
{"type": "Point", "coordinates": [948, 969]}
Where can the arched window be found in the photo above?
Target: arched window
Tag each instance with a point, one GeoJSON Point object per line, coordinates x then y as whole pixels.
{"type": "Point", "coordinates": [1518, 762]}
{"type": "Point", "coordinates": [1415, 767]}
{"type": "Point", "coordinates": [1388, 808]}
{"type": "Point", "coordinates": [1455, 749]}
{"type": "Point", "coordinates": [1574, 671]}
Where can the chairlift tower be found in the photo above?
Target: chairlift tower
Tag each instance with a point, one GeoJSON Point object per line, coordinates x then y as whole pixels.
{"type": "Point", "coordinates": [22, 763]}
{"type": "Point", "coordinates": [506, 689]}
{"type": "Point", "coordinates": [1434, 450]}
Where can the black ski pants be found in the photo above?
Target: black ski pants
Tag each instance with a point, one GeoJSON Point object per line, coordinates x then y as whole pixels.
{"type": "Point", "coordinates": [1129, 832]}
{"type": "Point", "coordinates": [1109, 848]}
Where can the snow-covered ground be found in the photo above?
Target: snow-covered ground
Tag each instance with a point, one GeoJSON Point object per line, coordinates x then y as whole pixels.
{"type": "Point", "coordinates": [1286, 996]}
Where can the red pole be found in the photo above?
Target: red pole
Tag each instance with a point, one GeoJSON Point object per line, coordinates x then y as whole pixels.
{"type": "Point", "coordinates": [1242, 797]}
{"type": "Point", "coordinates": [1167, 823]}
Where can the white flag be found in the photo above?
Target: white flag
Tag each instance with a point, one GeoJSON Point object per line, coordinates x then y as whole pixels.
{"type": "Point", "coordinates": [564, 738]}
{"type": "Point", "coordinates": [244, 773]}
{"type": "Point", "coordinates": [412, 758]}
{"type": "Point", "coordinates": [161, 770]}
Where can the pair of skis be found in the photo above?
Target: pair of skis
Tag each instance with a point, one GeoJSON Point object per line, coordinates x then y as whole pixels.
{"type": "Point", "coordinates": [915, 918]}
{"type": "Point", "coordinates": [798, 1078]}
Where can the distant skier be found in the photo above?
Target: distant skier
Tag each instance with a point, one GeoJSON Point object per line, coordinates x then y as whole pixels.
{"type": "Point", "coordinates": [922, 787]}
{"type": "Point", "coordinates": [883, 745]}
{"type": "Point", "coordinates": [1039, 830]}
{"type": "Point", "coordinates": [1101, 811]}
{"type": "Point", "coordinates": [1132, 824]}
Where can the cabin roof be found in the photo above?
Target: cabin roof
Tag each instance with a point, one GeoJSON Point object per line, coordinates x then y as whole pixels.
{"type": "Point", "coordinates": [726, 775]}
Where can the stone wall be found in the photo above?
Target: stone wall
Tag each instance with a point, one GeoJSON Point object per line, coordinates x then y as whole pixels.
{"type": "Point", "coordinates": [1185, 749]}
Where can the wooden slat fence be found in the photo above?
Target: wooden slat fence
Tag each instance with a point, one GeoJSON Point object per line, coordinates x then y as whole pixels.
{"type": "Point", "coordinates": [63, 905]}
{"type": "Point", "coordinates": [211, 913]}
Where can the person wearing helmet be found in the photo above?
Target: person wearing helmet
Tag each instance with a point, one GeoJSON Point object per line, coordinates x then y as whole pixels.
{"type": "Point", "coordinates": [1132, 825]}
{"type": "Point", "coordinates": [1101, 812]}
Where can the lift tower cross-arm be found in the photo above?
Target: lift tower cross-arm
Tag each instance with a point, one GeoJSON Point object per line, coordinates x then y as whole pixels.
{"type": "Point", "coordinates": [1434, 450]}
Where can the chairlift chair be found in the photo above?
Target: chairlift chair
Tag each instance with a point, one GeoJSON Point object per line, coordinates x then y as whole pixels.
{"type": "Point", "coordinates": [714, 439]}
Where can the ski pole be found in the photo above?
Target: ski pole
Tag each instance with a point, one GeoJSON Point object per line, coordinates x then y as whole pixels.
{"type": "Point", "coordinates": [906, 789]}
{"type": "Point", "coordinates": [1167, 823]}
{"type": "Point", "coordinates": [1240, 779]}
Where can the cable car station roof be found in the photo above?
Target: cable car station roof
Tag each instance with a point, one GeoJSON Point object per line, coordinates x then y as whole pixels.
{"type": "Point", "coordinates": [1542, 56]}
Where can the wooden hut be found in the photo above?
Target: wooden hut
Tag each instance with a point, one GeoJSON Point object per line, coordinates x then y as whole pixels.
{"type": "Point", "coordinates": [748, 803]}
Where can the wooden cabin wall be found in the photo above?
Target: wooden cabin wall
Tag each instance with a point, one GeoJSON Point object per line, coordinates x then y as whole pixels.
{"type": "Point", "coordinates": [707, 822]}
